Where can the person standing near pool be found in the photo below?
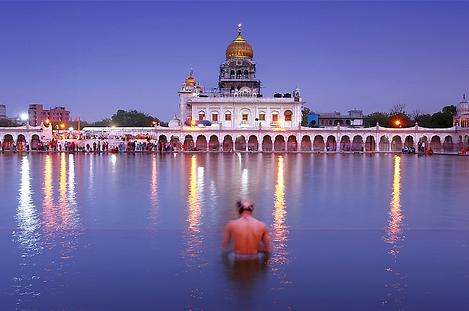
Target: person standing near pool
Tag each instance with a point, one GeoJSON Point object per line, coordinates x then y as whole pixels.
{"type": "Point", "coordinates": [247, 233]}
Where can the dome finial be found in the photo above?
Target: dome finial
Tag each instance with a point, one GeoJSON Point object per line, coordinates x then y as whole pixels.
{"type": "Point", "coordinates": [239, 29]}
{"type": "Point", "coordinates": [464, 97]}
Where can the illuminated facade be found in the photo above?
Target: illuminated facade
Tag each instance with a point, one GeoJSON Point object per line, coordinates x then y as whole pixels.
{"type": "Point", "coordinates": [462, 114]}
{"type": "Point", "coordinates": [238, 103]}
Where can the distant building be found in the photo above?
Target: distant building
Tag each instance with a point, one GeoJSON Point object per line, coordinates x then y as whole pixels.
{"type": "Point", "coordinates": [354, 118]}
{"type": "Point", "coordinates": [3, 111]}
{"type": "Point", "coordinates": [37, 114]}
{"type": "Point", "coordinates": [461, 118]}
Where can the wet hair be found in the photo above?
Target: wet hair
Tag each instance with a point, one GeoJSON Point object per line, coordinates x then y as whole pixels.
{"type": "Point", "coordinates": [242, 208]}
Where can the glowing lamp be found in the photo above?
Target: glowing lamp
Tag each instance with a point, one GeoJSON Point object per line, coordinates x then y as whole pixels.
{"type": "Point", "coordinates": [24, 116]}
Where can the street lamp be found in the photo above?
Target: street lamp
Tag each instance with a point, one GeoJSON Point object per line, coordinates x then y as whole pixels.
{"type": "Point", "coordinates": [24, 117]}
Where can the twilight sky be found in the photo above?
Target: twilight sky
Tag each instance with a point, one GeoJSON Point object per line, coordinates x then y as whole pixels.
{"type": "Point", "coordinates": [96, 57]}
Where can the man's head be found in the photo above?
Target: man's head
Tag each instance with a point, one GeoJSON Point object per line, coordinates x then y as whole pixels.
{"type": "Point", "coordinates": [244, 207]}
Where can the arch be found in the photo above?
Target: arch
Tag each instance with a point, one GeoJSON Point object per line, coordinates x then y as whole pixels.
{"type": "Point", "coordinates": [253, 144]}
{"type": "Point", "coordinates": [213, 143]}
{"type": "Point", "coordinates": [227, 115]}
{"type": "Point", "coordinates": [240, 143]}
{"type": "Point", "coordinates": [274, 116]}
{"type": "Point", "coordinates": [435, 143]}
{"type": "Point", "coordinates": [422, 144]}
{"type": "Point", "coordinates": [7, 142]}
{"type": "Point", "coordinates": [162, 143]}
{"type": "Point", "coordinates": [448, 145]}
{"type": "Point", "coordinates": [227, 143]}
{"type": "Point", "coordinates": [345, 143]}
{"type": "Point", "coordinates": [409, 141]}
{"type": "Point", "coordinates": [306, 144]}
{"type": "Point", "coordinates": [279, 143]}
{"type": "Point", "coordinates": [465, 141]}
{"type": "Point", "coordinates": [238, 74]}
{"type": "Point", "coordinates": [35, 142]}
{"type": "Point", "coordinates": [331, 144]}
{"type": "Point", "coordinates": [384, 143]}
{"type": "Point", "coordinates": [292, 144]}
{"type": "Point", "coordinates": [232, 74]}
{"type": "Point", "coordinates": [201, 115]}
{"type": "Point", "coordinates": [267, 143]}
{"type": "Point", "coordinates": [318, 143]}
{"type": "Point", "coordinates": [370, 143]}
{"type": "Point", "coordinates": [21, 142]}
{"type": "Point", "coordinates": [188, 144]}
{"type": "Point", "coordinates": [174, 143]}
{"type": "Point", "coordinates": [201, 143]}
{"type": "Point", "coordinates": [357, 143]}
{"type": "Point", "coordinates": [246, 74]}
{"type": "Point", "coordinates": [396, 143]}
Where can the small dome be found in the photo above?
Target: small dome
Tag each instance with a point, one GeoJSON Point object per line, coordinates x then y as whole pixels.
{"type": "Point", "coordinates": [239, 48]}
{"type": "Point", "coordinates": [190, 80]}
{"type": "Point", "coordinates": [174, 123]}
{"type": "Point", "coordinates": [463, 107]}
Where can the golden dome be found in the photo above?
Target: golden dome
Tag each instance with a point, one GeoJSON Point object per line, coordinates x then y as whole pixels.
{"type": "Point", "coordinates": [239, 48]}
{"type": "Point", "coordinates": [190, 80]}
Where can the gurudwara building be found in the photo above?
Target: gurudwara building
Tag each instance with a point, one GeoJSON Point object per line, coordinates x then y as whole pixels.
{"type": "Point", "coordinates": [238, 102]}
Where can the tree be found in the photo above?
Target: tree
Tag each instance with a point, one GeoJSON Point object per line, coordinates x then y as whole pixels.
{"type": "Point", "coordinates": [441, 120]}
{"type": "Point", "coordinates": [449, 110]}
{"type": "Point", "coordinates": [304, 116]}
{"type": "Point", "coordinates": [132, 118]}
{"type": "Point", "coordinates": [398, 109]}
{"type": "Point", "coordinates": [8, 123]}
{"type": "Point", "coordinates": [376, 117]}
{"type": "Point", "coordinates": [424, 120]}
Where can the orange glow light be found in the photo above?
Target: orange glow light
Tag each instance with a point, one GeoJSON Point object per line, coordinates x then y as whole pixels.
{"type": "Point", "coordinates": [62, 125]}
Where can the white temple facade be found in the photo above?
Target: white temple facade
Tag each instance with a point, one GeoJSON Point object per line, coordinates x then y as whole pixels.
{"type": "Point", "coordinates": [238, 103]}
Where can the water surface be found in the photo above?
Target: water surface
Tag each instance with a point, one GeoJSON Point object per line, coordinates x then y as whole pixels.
{"type": "Point", "coordinates": [143, 231]}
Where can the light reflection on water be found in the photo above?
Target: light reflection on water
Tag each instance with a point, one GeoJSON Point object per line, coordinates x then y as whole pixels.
{"type": "Point", "coordinates": [280, 229]}
{"type": "Point", "coordinates": [195, 187]}
{"type": "Point", "coordinates": [28, 236]}
{"type": "Point", "coordinates": [76, 218]}
{"type": "Point", "coordinates": [154, 192]}
{"type": "Point", "coordinates": [394, 237]}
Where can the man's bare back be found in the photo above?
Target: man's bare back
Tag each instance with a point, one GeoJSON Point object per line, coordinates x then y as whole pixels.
{"type": "Point", "coordinates": [247, 233]}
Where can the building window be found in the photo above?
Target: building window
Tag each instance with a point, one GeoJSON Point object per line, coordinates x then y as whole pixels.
{"type": "Point", "coordinates": [262, 116]}
{"type": "Point", "coordinates": [201, 115]}
{"type": "Point", "coordinates": [227, 116]}
{"type": "Point", "coordinates": [214, 117]}
{"type": "Point", "coordinates": [288, 115]}
{"type": "Point", "coordinates": [274, 118]}
{"type": "Point", "coordinates": [244, 117]}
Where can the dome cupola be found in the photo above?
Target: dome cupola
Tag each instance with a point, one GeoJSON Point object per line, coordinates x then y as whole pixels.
{"type": "Point", "coordinates": [239, 48]}
{"type": "Point", "coordinates": [463, 107]}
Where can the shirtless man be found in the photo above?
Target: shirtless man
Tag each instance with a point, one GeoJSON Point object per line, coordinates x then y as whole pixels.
{"type": "Point", "coordinates": [247, 233]}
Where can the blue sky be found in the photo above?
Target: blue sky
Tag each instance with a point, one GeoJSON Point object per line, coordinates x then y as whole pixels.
{"type": "Point", "coordinates": [95, 57]}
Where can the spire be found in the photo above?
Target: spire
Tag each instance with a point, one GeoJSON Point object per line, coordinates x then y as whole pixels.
{"type": "Point", "coordinates": [239, 29]}
{"type": "Point", "coordinates": [464, 97]}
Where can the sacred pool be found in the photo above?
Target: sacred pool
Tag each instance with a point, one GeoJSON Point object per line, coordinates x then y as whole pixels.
{"type": "Point", "coordinates": [137, 231]}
